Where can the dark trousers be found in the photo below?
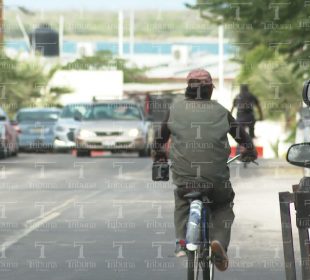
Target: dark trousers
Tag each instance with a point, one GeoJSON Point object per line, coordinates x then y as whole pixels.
{"type": "Point", "coordinates": [249, 126]}
{"type": "Point", "coordinates": [221, 219]}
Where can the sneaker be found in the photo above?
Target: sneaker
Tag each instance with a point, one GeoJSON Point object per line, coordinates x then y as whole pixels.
{"type": "Point", "coordinates": [180, 249]}
{"type": "Point", "coordinates": [220, 256]}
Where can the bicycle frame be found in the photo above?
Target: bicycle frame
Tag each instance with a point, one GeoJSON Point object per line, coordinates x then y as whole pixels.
{"type": "Point", "coordinates": [201, 259]}
{"type": "Point", "coordinates": [205, 242]}
{"type": "Point", "coordinates": [202, 255]}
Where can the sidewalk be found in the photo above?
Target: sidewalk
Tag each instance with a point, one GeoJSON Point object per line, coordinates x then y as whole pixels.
{"type": "Point", "coordinates": [276, 162]}
{"type": "Point", "coordinates": [256, 244]}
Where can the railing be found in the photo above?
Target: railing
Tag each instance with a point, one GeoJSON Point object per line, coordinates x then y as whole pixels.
{"type": "Point", "coordinates": [301, 199]}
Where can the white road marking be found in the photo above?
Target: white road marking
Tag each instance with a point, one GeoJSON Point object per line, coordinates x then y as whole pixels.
{"type": "Point", "coordinates": [132, 178]}
{"type": "Point", "coordinates": [16, 237]}
{"type": "Point", "coordinates": [57, 208]}
{"type": "Point", "coordinates": [33, 224]}
{"type": "Point", "coordinates": [142, 201]}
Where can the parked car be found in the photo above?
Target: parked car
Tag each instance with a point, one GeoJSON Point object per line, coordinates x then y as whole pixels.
{"type": "Point", "coordinates": [114, 126]}
{"type": "Point", "coordinates": [37, 128]}
{"type": "Point", "coordinates": [66, 126]}
{"type": "Point", "coordinates": [8, 136]}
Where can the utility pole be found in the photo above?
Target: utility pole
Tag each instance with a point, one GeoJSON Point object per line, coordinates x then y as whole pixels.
{"type": "Point", "coordinates": [1, 26]}
{"type": "Point", "coordinates": [221, 57]}
{"type": "Point", "coordinates": [120, 34]}
{"type": "Point", "coordinates": [132, 34]}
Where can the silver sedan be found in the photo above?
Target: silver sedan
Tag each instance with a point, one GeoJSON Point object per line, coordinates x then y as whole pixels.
{"type": "Point", "coordinates": [114, 126]}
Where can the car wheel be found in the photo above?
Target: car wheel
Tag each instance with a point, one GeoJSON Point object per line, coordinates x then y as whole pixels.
{"type": "Point", "coordinates": [62, 150]}
{"type": "Point", "coordinates": [15, 152]}
{"type": "Point", "coordinates": [3, 152]}
{"type": "Point", "coordinates": [144, 153]}
{"type": "Point", "coordinates": [82, 153]}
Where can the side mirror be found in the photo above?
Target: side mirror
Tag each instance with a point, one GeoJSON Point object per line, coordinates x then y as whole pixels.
{"type": "Point", "coordinates": [299, 155]}
{"type": "Point", "coordinates": [2, 118]}
{"type": "Point", "coordinates": [306, 93]}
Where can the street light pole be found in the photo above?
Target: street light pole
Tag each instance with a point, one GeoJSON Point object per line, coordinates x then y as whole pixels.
{"type": "Point", "coordinates": [221, 57]}
{"type": "Point", "coordinates": [1, 26]}
{"type": "Point", "coordinates": [132, 34]}
{"type": "Point", "coordinates": [120, 34]}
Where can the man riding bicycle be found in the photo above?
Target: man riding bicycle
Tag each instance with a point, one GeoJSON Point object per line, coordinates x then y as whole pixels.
{"type": "Point", "coordinates": [199, 150]}
{"type": "Point", "coordinates": [245, 102]}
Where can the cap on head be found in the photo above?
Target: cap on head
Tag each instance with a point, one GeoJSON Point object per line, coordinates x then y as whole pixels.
{"type": "Point", "coordinates": [201, 75]}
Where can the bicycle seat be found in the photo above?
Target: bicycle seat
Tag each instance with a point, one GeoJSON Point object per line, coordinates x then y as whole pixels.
{"type": "Point", "coordinates": [193, 195]}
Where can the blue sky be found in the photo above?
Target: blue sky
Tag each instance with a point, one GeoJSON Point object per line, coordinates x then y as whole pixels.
{"type": "Point", "coordinates": [101, 4]}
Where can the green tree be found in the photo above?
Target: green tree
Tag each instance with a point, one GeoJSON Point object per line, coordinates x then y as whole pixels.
{"type": "Point", "coordinates": [280, 26]}
{"type": "Point", "coordinates": [103, 60]}
{"type": "Point", "coordinates": [272, 50]}
{"type": "Point", "coordinates": [273, 81]}
{"type": "Point", "coordinates": [25, 83]}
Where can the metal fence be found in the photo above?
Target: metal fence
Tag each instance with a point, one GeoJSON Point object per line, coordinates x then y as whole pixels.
{"type": "Point", "coordinates": [300, 197]}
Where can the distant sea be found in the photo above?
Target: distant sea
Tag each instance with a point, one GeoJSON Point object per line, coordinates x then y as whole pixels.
{"type": "Point", "coordinates": [70, 47]}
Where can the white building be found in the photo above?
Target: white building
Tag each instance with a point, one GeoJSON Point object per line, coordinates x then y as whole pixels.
{"type": "Point", "coordinates": [87, 84]}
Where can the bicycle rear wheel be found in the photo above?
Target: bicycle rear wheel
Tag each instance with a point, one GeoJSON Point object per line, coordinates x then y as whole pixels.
{"type": "Point", "coordinates": [199, 266]}
{"type": "Point", "coordinates": [207, 266]}
{"type": "Point", "coordinates": [192, 265]}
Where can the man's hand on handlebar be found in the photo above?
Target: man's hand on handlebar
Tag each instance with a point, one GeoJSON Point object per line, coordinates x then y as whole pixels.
{"type": "Point", "coordinates": [248, 155]}
{"type": "Point", "coordinates": [159, 156]}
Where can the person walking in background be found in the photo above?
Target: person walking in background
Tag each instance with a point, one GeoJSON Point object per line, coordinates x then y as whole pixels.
{"type": "Point", "coordinates": [245, 102]}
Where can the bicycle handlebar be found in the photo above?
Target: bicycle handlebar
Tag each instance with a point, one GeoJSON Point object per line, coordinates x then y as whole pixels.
{"type": "Point", "coordinates": [233, 159]}
{"type": "Point", "coordinates": [238, 156]}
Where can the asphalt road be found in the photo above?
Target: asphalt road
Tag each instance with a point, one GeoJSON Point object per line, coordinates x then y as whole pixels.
{"type": "Point", "coordinates": [64, 218]}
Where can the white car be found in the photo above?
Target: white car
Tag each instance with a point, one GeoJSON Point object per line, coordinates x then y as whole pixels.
{"type": "Point", "coordinates": [116, 126]}
{"type": "Point", "coordinates": [66, 126]}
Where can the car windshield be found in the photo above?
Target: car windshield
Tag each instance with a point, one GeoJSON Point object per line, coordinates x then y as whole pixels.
{"type": "Point", "coordinates": [121, 112]}
{"type": "Point", "coordinates": [37, 116]}
{"type": "Point", "coordinates": [69, 111]}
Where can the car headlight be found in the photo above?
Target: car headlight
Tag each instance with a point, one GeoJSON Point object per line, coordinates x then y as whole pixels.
{"type": "Point", "coordinates": [60, 128]}
{"type": "Point", "coordinates": [134, 132]}
{"type": "Point", "coordinates": [83, 133]}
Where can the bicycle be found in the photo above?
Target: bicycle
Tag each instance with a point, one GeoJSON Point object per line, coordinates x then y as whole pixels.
{"type": "Point", "coordinates": [247, 130]}
{"type": "Point", "coordinates": [202, 259]}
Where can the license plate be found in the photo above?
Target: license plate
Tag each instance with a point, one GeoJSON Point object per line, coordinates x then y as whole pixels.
{"type": "Point", "coordinates": [37, 130]}
{"type": "Point", "coordinates": [38, 141]}
{"type": "Point", "coordinates": [108, 143]}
